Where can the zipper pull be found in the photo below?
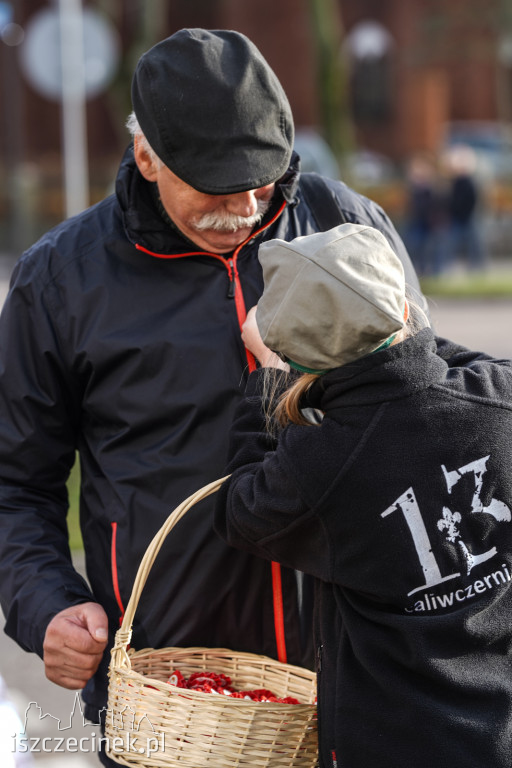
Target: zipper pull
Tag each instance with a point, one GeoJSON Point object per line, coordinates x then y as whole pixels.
{"type": "Point", "coordinates": [231, 272]}
{"type": "Point", "coordinates": [319, 658]}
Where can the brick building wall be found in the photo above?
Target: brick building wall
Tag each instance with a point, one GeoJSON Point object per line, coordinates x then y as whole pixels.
{"type": "Point", "coordinates": [441, 65]}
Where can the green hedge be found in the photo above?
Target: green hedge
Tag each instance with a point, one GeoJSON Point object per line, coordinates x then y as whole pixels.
{"type": "Point", "coordinates": [482, 285]}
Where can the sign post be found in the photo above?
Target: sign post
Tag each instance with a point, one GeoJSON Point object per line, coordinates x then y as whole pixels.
{"type": "Point", "coordinates": [70, 54]}
{"type": "Point", "coordinates": [74, 118]}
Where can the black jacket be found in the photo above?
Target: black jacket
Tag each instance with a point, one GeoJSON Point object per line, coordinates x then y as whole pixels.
{"type": "Point", "coordinates": [400, 505]}
{"type": "Point", "coordinates": [120, 341]}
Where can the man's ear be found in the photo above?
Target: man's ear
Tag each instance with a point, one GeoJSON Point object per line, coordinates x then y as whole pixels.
{"type": "Point", "coordinates": [146, 162]}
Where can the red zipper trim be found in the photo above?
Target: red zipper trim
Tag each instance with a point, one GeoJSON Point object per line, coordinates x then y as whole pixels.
{"type": "Point", "coordinates": [178, 255]}
{"type": "Point", "coordinates": [277, 590]}
{"type": "Point", "coordinates": [241, 311]}
{"type": "Point", "coordinates": [239, 297]}
{"type": "Point", "coordinates": [277, 585]}
{"type": "Point", "coordinates": [115, 581]}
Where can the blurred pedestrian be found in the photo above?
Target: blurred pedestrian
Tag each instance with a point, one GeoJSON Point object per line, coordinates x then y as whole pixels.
{"type": "Point", "coordinates": [424, 215]}
{"type": "Point", "coordinates": [463, 236]}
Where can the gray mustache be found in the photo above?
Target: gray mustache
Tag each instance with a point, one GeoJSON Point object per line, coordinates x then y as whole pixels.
{"type": "Point", "coordinates": [230, 222]}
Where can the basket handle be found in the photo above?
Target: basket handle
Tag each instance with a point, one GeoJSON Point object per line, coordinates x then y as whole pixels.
{"type": "Point", "coordinates": [124, 633]}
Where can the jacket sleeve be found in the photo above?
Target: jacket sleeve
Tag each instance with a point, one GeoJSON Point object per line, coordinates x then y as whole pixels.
{"type": "Point", "coordinates": [37, 449]}
{"type": "Point", "coordinates": [260, 508]}
{"type": "Point", "coordinates": [455, 355]}
{"type": "Point", "coordinates": [476, 373]}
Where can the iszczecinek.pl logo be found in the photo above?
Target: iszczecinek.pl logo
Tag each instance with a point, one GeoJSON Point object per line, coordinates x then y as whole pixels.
{"type": "Point", "coordinates": [128, 733]}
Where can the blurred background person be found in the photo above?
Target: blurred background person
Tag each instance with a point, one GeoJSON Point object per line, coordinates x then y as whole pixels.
{"type": "Point", "coordinates": [463, 237]}
{"type": "Point", "coordinates": [425, 218]}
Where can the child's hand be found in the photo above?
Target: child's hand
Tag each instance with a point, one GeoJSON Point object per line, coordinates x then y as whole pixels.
{"type": "Point", "coordinates": [252, 340]}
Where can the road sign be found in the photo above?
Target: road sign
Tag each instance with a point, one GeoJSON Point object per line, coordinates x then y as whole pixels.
{"type": "Point", "coordinates": [41, 53]}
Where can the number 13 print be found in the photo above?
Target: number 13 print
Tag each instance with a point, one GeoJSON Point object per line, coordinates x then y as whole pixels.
{"type": "Point", "coordinates": [407, 504]}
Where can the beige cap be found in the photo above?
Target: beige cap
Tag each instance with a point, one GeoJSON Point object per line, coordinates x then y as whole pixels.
{"type": "Point", "coordinates": [331, 297]}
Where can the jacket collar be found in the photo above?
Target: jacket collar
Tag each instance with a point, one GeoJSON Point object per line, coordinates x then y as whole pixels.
{"type": "Point", "coordinates": [396, 372]}
{"type": "Point", "coordinates": [147, 226]}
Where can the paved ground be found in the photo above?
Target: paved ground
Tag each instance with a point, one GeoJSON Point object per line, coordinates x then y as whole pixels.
{"type": "Point", "coordinates": [42, 703]}
{"type": "Point", "coordinates": [483, 325]}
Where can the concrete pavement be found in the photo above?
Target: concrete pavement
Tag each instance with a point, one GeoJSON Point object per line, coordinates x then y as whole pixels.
{"type": "Point", "coordinates": [41, 704]}
{"type": "Point", "coordinates": [480, 324]}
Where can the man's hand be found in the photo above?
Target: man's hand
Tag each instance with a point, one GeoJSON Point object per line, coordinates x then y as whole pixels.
{"type": "Point", "coordinates": [74, 643]}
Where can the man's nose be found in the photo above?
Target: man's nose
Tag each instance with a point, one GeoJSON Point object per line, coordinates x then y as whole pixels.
{"type": "Point", "coordinates": [243, 203]}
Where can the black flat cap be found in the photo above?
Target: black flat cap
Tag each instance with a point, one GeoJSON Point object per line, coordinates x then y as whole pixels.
{"type": "Point", "coordinates": [214, 111]}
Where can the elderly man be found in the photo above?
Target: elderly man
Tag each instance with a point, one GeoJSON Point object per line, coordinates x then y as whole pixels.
{"type": "Point", "coordinates": [120, 340]}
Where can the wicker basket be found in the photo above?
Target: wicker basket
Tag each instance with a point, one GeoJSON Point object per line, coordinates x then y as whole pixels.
{"type": "Point", "coordinates": [151, 723]}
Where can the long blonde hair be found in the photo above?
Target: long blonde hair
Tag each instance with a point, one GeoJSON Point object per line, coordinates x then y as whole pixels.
{"type": "Point", "coordinates": [288, 408]}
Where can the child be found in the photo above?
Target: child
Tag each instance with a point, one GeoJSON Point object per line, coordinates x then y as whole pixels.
{"type": "Point", "coordinates": [398, 501]}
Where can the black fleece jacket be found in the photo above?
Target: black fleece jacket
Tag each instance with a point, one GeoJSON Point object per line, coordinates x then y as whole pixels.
{"type": "Point", "coordinates": [400, 505]}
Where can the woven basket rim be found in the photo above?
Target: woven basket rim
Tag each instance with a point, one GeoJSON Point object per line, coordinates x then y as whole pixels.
{"type": "Point", "coordinates": [133, 674]}
{"type": "Point", "coordinates": [226, 700]}
{"type": "Point", "coordinates": [227, 652]}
